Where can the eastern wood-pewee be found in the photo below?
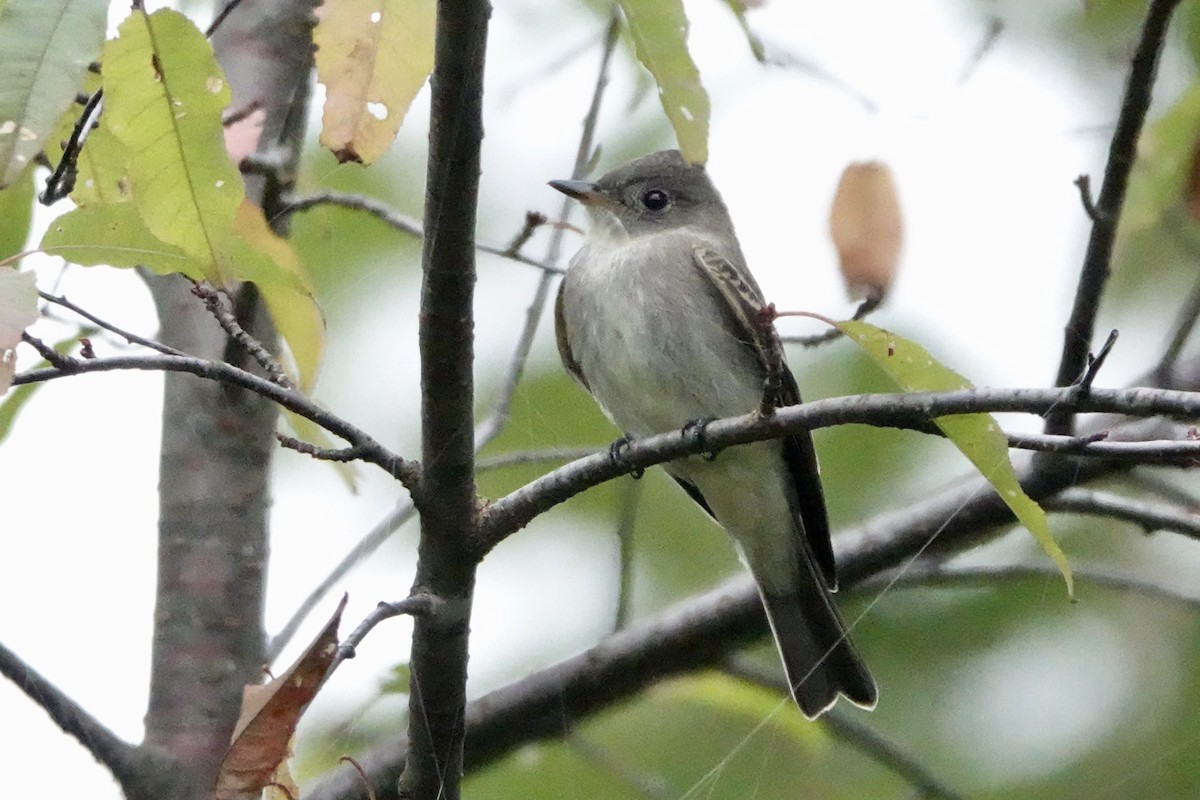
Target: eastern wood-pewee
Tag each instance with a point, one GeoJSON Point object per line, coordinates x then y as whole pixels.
{"type": "Point", "coordinates": [662, 323]}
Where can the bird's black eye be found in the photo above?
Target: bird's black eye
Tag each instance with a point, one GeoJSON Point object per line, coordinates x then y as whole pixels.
{"type": "Point", "coordinates": [655, 199]}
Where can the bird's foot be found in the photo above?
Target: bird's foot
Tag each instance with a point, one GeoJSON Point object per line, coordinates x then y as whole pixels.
{"type": "Point", "coordinates": [770, 395]}
{"type": "Point", "coordinates": [618, 452]}
{"type": "Point", "coordinates": [694, 431]}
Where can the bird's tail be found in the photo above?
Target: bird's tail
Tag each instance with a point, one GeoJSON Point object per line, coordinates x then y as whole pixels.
{"type": "Point", "coordinates": [818, 658]}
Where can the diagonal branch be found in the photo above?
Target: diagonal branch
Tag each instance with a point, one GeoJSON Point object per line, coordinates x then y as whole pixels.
{"type": "Point", "coordinates": [121, 758]}
{"type": "Point", "coordinates": [1097, 261]}
{"type": "Point", "coordinates": [851, 731]}
{"type": "Point", "coordinates": [405, 471]}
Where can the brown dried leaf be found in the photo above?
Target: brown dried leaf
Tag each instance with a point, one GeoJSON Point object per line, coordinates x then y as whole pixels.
{"type": "Point", "coordinates": [867, 228]}
{"type": "Point", "coordinates": [262, 738]}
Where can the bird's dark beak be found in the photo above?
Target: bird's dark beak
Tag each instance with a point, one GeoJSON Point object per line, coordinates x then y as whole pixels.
{"type": "Point", "coordinates": [585, 192]}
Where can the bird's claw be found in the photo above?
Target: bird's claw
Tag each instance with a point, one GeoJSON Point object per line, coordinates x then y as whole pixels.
{"type": "Point", "coordinates": [770, 393]}
{"type": "Point", "coordinates": [617, 452]}
{"type": "Point", "coordinates": [694, 430]}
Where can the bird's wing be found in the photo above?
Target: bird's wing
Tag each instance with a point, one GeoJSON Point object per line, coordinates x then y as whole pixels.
{"type": "Point", "coordinates": [753, 319]}
{"type": "Point", "coordinates": [564, 345]}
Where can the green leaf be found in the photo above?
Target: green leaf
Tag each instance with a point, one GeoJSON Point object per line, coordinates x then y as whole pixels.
{"type": "Point", "coordinates": [977, 435]}
{"type": "Point", "coordinates": [45, 49]}
{"type": "Point", "coordinates": [114, 234]}
{"type": "Point", "coordinates": [102, 169]}
{"type": "Point", "coordinates": [659, 30]}
{"type": "Point", "coordinates": [158, 188]}
{"type": "Point", "coordinates": [16, 211]}
{"type": "Point", "coordinates": [373, 56]}
{"type": "Point", "coordinates": [164, 95]}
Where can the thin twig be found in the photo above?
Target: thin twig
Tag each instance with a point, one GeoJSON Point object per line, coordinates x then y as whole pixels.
{"type": "Point", "coordinates": [119, 756]}
{"type": "Point", "coordinates": [533, 221]}
{"type": "Point", "coordinates": [394, 219]}
{"type": "Point", "coordinates": [1162, 452]}
{"type": "Point", "coordinates": [413, 605]}
{"type": "Point", "coordinates": [1084, 184]}
{"type": "Point", "coordinates": [341, 454]}
{"type": "Point", "coordinates": [626, 527]}
{"type": "Point", "coordinates": [995, 27]}
{"type": "Point", "coordinates": [406, 471]}
{"type": "Point", "coordinates": [58, 185]}
{"type": "Point", "coordinates": [56, 359]}
{"type": "Point", "coordinates": [355, 202]}
{"type": "Point", "coordinates": [1185, 323]}
{"type": "Point", "coordinates": [228, 322]}
{"type": "Point", "coordinates": [132, 338]}
{"type": "Point", "coordinates": [495, 421]}
{"type": "Point", "coordinates": [1156, 483]}
{"type": "Point", "coordinates": [380, 533]}
{"type": "Point", "coordinates": [221, 17]}
{"type": "Point", "coordinates": [1095, 362]}
{"type": "Point", "coordinates": [1151, 517]}
{"type": "Point", "coordinates": [854, 733]}
{"type": "Point", "coordinates": [864, 308]}
{"type": "Point", "coordinates": [1097, 261]}
{"type": "Point", "coordinates": [930, 572]}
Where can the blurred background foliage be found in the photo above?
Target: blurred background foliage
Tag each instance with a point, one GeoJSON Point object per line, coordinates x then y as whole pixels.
{"type": "Point", "coordinates": [999, 688]}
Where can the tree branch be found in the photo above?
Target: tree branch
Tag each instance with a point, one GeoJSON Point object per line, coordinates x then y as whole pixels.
{"type": "Point", "coordinates": [700, 631]}
{"type": "Point", "coordinates": [514, 511]}
{"type": "Point", "coordinates": [1097, 261]}
{"type": "Point", "coordinates": [445, 568]}
{"type": "Point", "coordinates": [120, 757]}
{"type": "Point", "coordinates": [487, 430]}
{"type": "Point", "coordinates": [403, 470]}
{"type": "Point", "coordinates": [1149, 516]}
{"type": "Point", "coordinates": [854, 733]}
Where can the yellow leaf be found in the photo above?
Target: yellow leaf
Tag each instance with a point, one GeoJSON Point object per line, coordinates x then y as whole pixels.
{"type": "Point", "coordinates": [373, 56]}
{"type": "Point", "coordinates": [272, 264]}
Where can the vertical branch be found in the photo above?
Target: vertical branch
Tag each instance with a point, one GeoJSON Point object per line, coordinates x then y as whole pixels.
{"type": "Point", "coordinates": [215, 460]}
{"type": "Point", "coordinates": [446, 496]}
{"type": "Point", "coordinates": [1106, 213]}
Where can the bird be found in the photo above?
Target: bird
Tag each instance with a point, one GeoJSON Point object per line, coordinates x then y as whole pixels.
{"type": "Point", "coordinates": [660, 320]}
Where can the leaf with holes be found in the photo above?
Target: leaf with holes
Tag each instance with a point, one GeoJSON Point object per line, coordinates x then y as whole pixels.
{"type": "Point", "coordinates": [977, 435]}
{"type": "Point", "coordinates": [659, 29]}
{"type": "Point", "coordinates": [45, 49]}
{"type": "Point", "coordinates": [164, 95]}
{"type": "Point", "coordinates": [373, 56]}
